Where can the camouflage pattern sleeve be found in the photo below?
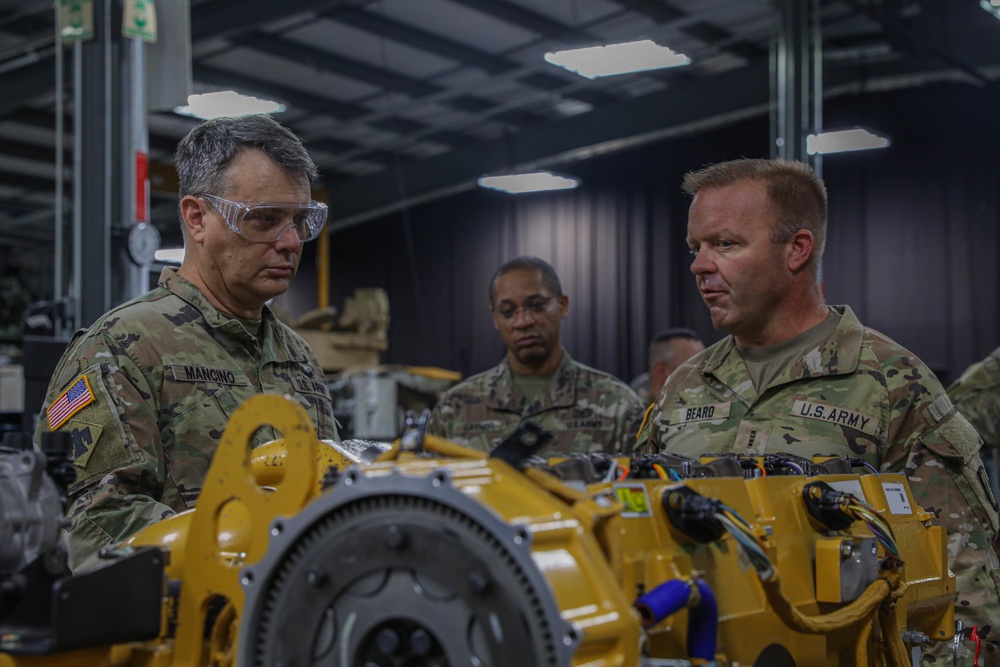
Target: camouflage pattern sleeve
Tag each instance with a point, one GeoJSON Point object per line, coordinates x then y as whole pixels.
{"type": "Point", "coordinates": [451, 421]}
{"type": "Point", "coordinates": [327, 426]}
{"type": "Point", "coordinates": [436, 423]}
{"type": "Point", "coordinates": [976, 394]}
{"type": "Point", "coordinates": [632, 413]}
{"type": "Point", "coordinates": [117, 453]}
{"type": "Point", "coordinates": [939, 451]}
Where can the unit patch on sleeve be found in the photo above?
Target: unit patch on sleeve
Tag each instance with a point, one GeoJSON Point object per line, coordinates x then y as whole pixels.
{"type": "Point", "coordinates": [74, 399]}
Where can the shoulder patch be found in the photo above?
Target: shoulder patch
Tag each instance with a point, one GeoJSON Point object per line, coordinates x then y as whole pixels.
{"type": "Point", "coordinates": [939, 408]}
{"type": "Point", "coordinates": [74, 399]}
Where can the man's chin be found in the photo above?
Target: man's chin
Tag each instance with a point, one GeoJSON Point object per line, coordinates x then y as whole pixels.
{"type": "Point", "coordinates": [532, 356]}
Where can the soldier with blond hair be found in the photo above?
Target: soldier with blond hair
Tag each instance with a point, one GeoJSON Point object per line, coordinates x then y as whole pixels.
{"type": "Point", "coordinates": [796, 375]}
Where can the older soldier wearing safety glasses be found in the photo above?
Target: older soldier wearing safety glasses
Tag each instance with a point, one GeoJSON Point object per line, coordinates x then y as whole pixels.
{"type": "Point", "coordinates": [146, 392]}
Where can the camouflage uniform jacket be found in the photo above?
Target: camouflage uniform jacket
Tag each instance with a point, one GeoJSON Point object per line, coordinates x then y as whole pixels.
{"type": "Point", "coordinates": [857, 394]}
{"type": "Point", "coordinates": [586, 410]}
{"type": "Point", "coordinates": [977, 396]}
{"type": "Point", "coordinates": [166, 371]}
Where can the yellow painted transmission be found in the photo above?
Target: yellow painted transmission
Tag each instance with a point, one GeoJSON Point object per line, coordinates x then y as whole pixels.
{"type": "Point", "coordinates": [304, 553]}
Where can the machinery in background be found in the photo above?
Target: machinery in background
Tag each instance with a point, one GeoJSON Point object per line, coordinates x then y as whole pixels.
{"type": "Point", "coordinates": [370, 400]}
{"type": "Point", "coordinates": [351, 339]}
{"type": "Point", "coordinates": [431, 554]}
{"type": "Point", "coordinates": [372, 403]}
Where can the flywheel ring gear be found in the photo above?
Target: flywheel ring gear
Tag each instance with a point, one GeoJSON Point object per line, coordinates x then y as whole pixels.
{"type": "Point", "coordinates": [396, 570]}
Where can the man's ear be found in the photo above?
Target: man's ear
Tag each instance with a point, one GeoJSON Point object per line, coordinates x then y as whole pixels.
{"type": "Point", "coordinates": [193, 217]}
{"type": "Point", "coordinates": [800, 248]}
{"type": "Point", "coordinates": [563, 306]}
{"type": "Point", "coordinates": [496, 322]}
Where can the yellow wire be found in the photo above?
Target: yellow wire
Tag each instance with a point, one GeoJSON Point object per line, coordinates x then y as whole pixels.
{"type": "Point", "coordinates": [645, 420]}
{"type": "Point", "coordinates": [660, 471]}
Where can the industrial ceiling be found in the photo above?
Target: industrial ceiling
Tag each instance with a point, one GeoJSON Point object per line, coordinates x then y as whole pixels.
{"type": "Point", "coordinates": [402, 101]}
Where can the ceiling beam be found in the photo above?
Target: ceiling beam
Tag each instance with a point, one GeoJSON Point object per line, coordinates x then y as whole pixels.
{"type": "Point", "coordinates": [658, 10]}
{"type": "Point", "coordinates": [380, 26]}
{"type": "Point", "coordinates": [334, 63]}
{"type": "Point", "coordinates": [685, 104]}
{"type": "Point", "coordinates": [524, 18]}
{"type": "Point", "coordinates": [224, 19]}
{"type": "Point", "coordinates": [27, 82]}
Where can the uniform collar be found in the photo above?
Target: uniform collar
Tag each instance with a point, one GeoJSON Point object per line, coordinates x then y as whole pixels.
{"type": "Point", "coordinates": [186, 290]}
{"type": "Point", "coordinates": [837, 355]}
{"type": "Point", "coordinates": [561, 392]}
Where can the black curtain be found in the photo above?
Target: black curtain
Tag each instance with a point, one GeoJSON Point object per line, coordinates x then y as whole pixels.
{"type": "Point", "coordinates": [913, 241]}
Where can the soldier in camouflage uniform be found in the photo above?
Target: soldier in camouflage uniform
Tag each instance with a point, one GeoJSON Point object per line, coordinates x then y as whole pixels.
{"type": "Point", "coordinates": [147, 391]}
{"type": "Point", "coordinates": [977, 396]}
{"type": "Point", "coordinates": [797, 376]}
{"type": "Point", "coordinates": [586, 410]}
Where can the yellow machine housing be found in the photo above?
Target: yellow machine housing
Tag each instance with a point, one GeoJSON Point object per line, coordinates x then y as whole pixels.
{"type": "Point", "coordinates": [299, 553]}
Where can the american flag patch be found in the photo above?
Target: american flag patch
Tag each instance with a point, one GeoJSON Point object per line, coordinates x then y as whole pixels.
{"type": "Point", "coordinates": [72, 401]}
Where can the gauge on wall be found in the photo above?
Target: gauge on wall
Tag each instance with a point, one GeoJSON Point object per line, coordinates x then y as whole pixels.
{"type": "Point", "coordinates": [143, 242]}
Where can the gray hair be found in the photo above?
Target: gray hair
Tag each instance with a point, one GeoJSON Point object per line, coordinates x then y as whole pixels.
{"type": "Point", "coordinates": [203, 156]}
{"type": "Point", "coordinates": [528, 263]}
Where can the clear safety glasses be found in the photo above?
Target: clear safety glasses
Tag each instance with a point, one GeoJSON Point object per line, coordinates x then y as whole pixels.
{"type": "Point", "coordinates": [263, 222]}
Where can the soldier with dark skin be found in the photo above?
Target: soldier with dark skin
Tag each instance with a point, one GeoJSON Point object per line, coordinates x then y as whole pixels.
{"type": "Point", "coordinates": [585, 409]}
{"type": "Point", "coordinates": [146, 392]}
{"type": "Point", "coordinates": [796, 375]}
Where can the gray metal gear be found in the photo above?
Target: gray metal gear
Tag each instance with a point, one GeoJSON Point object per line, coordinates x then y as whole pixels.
{"type": "Point", "coordinates": [397, 571]}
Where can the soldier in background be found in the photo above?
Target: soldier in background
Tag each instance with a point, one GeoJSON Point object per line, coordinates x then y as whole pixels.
{"type": "Point", "coordinates": [147, 391]}
{"type": "Point", "coordinates": [667, 351]}
{"type": "Point", "coordinates": [586, 410]}
{"type": "Point", "coordinates": [795, 375]}
{"type": "Point", "coordinates": [977, 396]}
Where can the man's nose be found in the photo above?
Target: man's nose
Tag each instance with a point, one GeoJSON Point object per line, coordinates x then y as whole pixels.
{"type": "Point", "coordinates": [289, 238]}
{"type": "Point", "coordinates": [702, 263]}
{"type": "Point", "coordinates": [524, 317]}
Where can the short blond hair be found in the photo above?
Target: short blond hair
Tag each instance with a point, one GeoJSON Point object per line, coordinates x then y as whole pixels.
{"type": "Point", "coordinates": [797, 193]}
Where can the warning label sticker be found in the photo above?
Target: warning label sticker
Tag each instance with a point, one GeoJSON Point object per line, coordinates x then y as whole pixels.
{"type": "Point", "coordinates": [635, 499]}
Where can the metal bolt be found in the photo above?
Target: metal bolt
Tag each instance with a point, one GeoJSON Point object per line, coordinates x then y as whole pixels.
{"type": "Point", "coordinates": [846, 550]}
{"type": "Point", "coordinates": [395, 538]}
{"type": "Point", "coordinates": [388, 641]}
{"type": "Point", "coordinates": [421, 642]}
{"type": "Point", "coordinates": [317, 576]}
{"type": "Point", "coordinates": [480, 583]}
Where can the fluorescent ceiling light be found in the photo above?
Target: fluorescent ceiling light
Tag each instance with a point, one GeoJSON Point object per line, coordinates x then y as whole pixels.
{"type": "Point", "coordinates": [596, 61]}
{"type": "Point", "coordinates": [536, 182]}
{"type": "Point", "coordinates": [227, 103]}
{"type": "Point", "coordinates": [169, 255]}
{"type": "Point", "coordinates": [857, 139]}
{"type": "Point", "coordinates": [992, 6]}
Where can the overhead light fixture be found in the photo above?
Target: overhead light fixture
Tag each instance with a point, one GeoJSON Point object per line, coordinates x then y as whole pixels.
{"type": "Point", "coordinates": [992, 6]}
{"type": "Point", "coordinates": [227, 103]}
{"type": "Point", "coordinates": [858, 139]}
{"type": "Point", "coordinates": [169, 255]}
{"type": "Point", "coordinates": [595, 61]}
{"type": "Point", "coordinates": [534, 182]}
